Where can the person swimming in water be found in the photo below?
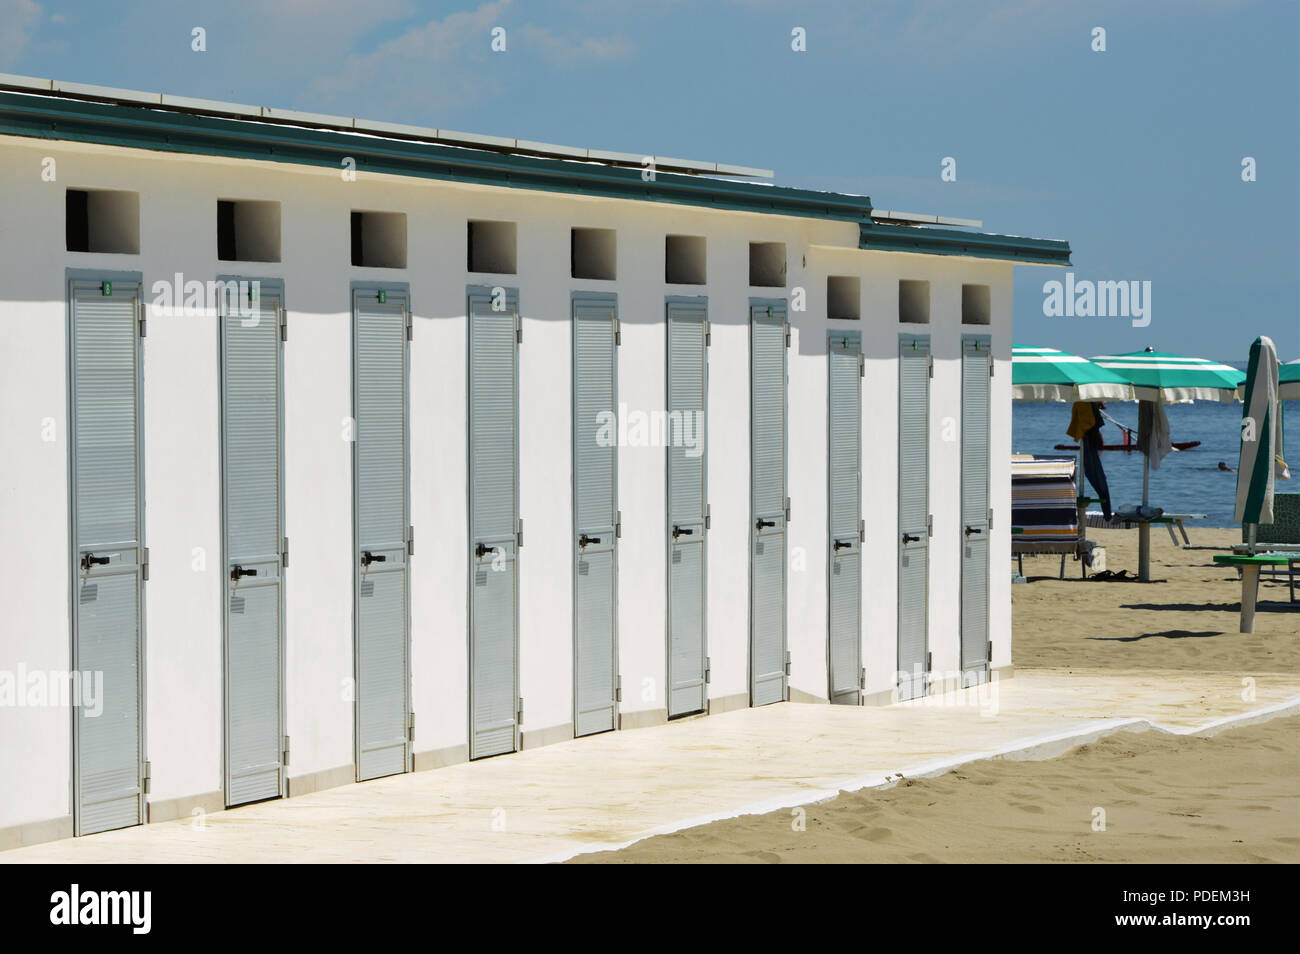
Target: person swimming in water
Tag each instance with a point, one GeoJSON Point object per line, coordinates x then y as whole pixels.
{"type": "Point", "coordinates": [1223, 466]}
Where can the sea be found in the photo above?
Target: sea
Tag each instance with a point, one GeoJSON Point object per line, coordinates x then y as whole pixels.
{"type": "Point", "coordinates": [1188, 481]}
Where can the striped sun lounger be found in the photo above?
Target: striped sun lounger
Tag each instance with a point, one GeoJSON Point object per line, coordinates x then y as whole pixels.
{"type": "Point", "coordinates": [1045, 509]}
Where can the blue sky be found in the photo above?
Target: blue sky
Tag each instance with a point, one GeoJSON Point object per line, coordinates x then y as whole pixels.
{"type": "Point", "coordinates": [1134, 154]}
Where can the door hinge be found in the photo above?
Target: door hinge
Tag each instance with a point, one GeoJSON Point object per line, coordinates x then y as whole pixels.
{"type": "Point", "coordinates": [142, 326]}
{"type": "Point", "coordinates": [146, 777]}
{"type": "Point", "coordinates": [519, 329]}
{"type": "Point", "coordinates": [519, 532]}
{"type": "Point", "coordinates": [862, 365]}
{"type": "Point", "coordinates": [929, 525]}
{"type": "Point", "coordinates": [144, 563]}
{"type": "Point", "coordinates": [618, 332]}
{"type": "Point", "coordinates": [410, 541]}
{"type": "Point", "coordinates": [708, 516]}
{"type": "Point", "coordinates": [991, 366]}
{"type": "Point", "coordinates": [618, 689]}
{"type": "Point", "coordinates": [284, 552]}
{"type": "Point", "coordinates": [708, 670]}
{"type": "Point", "coordinates": [928, 667]}
{"type": "Point", "coordinates": [410, 726]}
{"type": "Point", "coordinates": [410, 327]}
{"type": "Point", "coordinates": [285, 752]}
{"type": "Point", "coordinates": [708, 334]}
{"type": "Point", "coordinates": [930, 365]}
{"type": "Point", "coordinates": [989, 654]}
{"type": "Point", "coordinates": [787, 662]}
{"type": "Point", "coordinates": [519, 711]}
{"type": "Point", "coordinates": [618, 525]}
{"type": "Point", "coordinates": [284, 326]}
{"type": "Point", "coordinates": [862, 678]}
{"type": "Point", "coordinates": [990, 518]}
{"type": "Point", "coordinates": [786, 328]}
{"type": "Point", "coordinates": [787, 509]}
{"type": "Point", "coordinates": [862, 531]}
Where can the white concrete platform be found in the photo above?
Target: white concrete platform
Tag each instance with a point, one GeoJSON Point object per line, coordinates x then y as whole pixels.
{"type": "Point", "coordinates": [607, 791]}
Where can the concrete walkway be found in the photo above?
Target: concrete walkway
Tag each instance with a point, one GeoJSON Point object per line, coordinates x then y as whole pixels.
{"type": "Point", "coordinates": [608, 791]}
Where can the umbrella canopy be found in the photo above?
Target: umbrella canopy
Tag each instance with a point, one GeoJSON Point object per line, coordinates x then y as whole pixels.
{"type": "Point", "coordinates": [1173, 378]}
{"type": "Point", "coordinates": [1288, 381]}
{"type": "Point", "coordinates": [1045, 374]}
{"type": "Point", "coordinates": [1261, 436]}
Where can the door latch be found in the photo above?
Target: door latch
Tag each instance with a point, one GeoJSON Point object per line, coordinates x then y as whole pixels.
{"type": "Point", "coordinates": [238, 571]}
{"type": "Point", "coordinates": [679, 532]}
{"type": "Point", "coordinates": [842, 545]}
{"type": "Point", "coordinates": [910, 538]}
{"type": "Point", "coordinates": [764, 523]}
{"type": "Point", "coordinates": [368, 558]}
{"type": "Point", "coordinates": [90, 560]}
{"type": "Point", "coordinates": [583, 540]}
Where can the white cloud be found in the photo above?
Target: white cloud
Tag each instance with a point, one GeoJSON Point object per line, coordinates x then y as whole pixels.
{"type": "Point", "coordinates": [426, 67]}
{"type": "Point", "coordinates": [18, 21]}
{"type": "Point", "coordinates": [566, 51]}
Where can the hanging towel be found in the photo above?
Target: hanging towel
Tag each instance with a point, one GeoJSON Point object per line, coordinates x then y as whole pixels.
{"type": "Point", "coordinates": [1153, 432]}
{"type": "Point", "coordinates": [1091, 442]}
{"type": "Point", "coordinates": [1082, 420]}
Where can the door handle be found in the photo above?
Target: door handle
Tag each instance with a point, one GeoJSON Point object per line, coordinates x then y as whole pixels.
{"type": "Point", "coordinates": [842, 545]}
{"type": "Point", "coordinates": [482, 550]}
{"type": "Point", "coordinates": [584, 540]}
{"type": "Point", "coordinates": [90, 560]}
{"type": "Point", "coordinates": [237, 571]}
{"type": "Point", "coordinates": [679, 532]}
{"type": "Point", "coordinates": [910, 538]}
{"type": "Point", "coordinates": [970, 530]}
{"type": "Point", "coordinates": [765, 523]}
{"type": "Point", "coordinates": [368, 558]}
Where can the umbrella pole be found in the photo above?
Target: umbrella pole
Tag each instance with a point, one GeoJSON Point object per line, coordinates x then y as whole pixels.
{"type": "Point", "coordinates": [1144, 528]}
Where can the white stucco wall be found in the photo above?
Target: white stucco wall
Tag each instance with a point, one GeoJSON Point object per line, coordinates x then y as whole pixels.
{"type": "Point", "coordinates": [177, 234]}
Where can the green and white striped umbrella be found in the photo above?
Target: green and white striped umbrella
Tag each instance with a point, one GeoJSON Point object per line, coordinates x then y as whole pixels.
{"type": "Point", "coordinates": [1165, 378]}
{"type": "Point", "coordinates": [1045, 374]}
{"type": "Point", "coordinates": [1261, 436]}
{"type": "Point", "coordinates": [1288, 381]}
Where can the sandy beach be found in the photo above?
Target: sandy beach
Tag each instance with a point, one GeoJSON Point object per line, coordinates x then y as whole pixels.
{"type": "Point", "coordinates": [1230, 797]}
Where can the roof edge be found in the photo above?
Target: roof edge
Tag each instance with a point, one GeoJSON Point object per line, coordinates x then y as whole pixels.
{"type": "Point", "coordinates": [116, 124]}
{"type": "Point", "coordinates": [934, 241]}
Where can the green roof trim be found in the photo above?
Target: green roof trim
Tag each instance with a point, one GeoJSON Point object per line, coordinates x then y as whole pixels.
{"type": "Point", "coordinates": [56, 117]}
{"type": "Point", "coordinates": [115, 124]}
{"type": "Point", "coordinates": [931, 241]}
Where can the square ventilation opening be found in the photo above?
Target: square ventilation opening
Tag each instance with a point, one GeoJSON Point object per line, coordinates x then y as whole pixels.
{"type": "Point", "coordinates": [594, 253]}
{"type": "Point", "coordinates": [490, 247]}
{"type": "Point", "coordinates": [975, 307]}
{"type": "Point", "coordinates": [248, 230]}
{"type": "Point", "coordinates": [379, 239]}
{"type": "Point", "coordinates": [767, 264]}
{"type": "Point", "coordinates": [913, 301]}
{"type": "Point", "coordinates": [684, 260]}
{"type": "Point", "coordinates": [100, 220]}
{"type": "Point", "coordinates": [844, 297]}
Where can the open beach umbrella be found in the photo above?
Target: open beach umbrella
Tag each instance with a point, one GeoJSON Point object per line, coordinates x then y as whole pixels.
{"type": "Point", "coordinates": [1164, 378]}
{"type": "Point", "coordinates": [1288, 381]}
{"type": "Point", "coordinates": [1046, 374]}
{"type": "Point", "coordinates": [1261, 439]}
{"type": "Point", "coordinates": [1160, 378]}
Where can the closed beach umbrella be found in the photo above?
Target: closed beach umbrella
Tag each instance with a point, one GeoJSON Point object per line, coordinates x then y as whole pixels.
{"type": "Point", "coordinates": [1261, 437]}
{"type": "Point", "coordinates": [1161, 378]}
{"type": "Point", "coordinates": [1046, 374]}
{"type": "Point", "coordinates": [1164, 378]}
{"type": "Point", "coordinates": [1288, 381]}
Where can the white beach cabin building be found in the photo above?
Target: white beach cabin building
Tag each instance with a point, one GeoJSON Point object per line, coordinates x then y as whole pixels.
{"type": "Point", "coordinates": [333, 449]}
